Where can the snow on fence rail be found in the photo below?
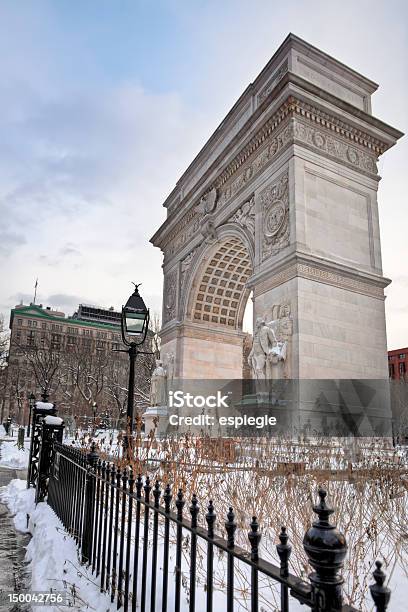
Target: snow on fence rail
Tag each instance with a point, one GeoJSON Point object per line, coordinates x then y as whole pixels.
{"type": "Point", "coordinates": [128, 532]}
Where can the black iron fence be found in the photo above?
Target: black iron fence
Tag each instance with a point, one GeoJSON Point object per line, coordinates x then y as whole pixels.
{"type": "Point", "coordinates": [129, 531]}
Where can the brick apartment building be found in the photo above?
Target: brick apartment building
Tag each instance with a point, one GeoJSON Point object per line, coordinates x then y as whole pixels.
{"type": "Point", "coordinates": [398, 364]}
{"type": "Point", "coordinates": [33, 327]}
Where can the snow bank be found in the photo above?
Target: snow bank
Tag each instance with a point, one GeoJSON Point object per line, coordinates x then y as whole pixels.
{"type": "Point", "coordinates": [20, 502]}
{"type": "Point", "coordinates": [52, 554]}
{"type": "Point", "coordinates": [13, 457]}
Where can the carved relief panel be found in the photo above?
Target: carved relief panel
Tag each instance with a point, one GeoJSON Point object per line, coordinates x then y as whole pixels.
{"type": "Point", "coordinates": [170, 296]}
{"type": "Point", "coordinates": [274, 208]}
{"type": "Point", "coordinates": [245, 216]}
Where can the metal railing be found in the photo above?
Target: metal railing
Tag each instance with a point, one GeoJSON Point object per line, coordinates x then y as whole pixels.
{"type": "Point", "coordinates": [123, 527]}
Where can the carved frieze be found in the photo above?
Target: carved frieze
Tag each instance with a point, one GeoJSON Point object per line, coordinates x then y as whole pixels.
{"type": "Point", "coordinates": [245, 216]}
{"type": "Point", "coordinates": [322, 275]}
{"type": "Point", "coordinates": [294, 122]}
{"type": "Point", "coordinates": [186, 230]}
{"type": "Point", "coordinates": [257, 164]}
{"type": "Point", "coordinates": [323, 141]}
{"type": "Point", "coordinates": [170, 296]}
{"type": "Point", "coordinates": [275, 228]}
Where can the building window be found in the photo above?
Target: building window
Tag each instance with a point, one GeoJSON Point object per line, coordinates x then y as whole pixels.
{"type": "Point", "coordinates": [402, 369]}
{"type": "Point", "coordinates": [43, 325]}
{"type": "Point", "coordinates": [86, 342]}
{"type": "Point", "coordinates": [30, 338]}
{"type": "Point", "coordinates": [30, 323]}
{"type": "Point", "coordinates": [72, 330]}
{"type": "Point", "coordinates": [20, 321]}
{"type": "Point", "coordinates": [71, 341]}
{"type": "Point", "coordinates": [100, 345]}
{"type": "Point", "coordinates": [18, 335]}
{"type": "Point", "coordinates": [391, 370]}
{"type": "Point", "coordinates": [56, 342]}
{"type": "Point", "coordinates": [401, 356]}
{"type": "Point", "coordinates": [115, 346]}
{"type": "Point", "coordinates": [34, 323]}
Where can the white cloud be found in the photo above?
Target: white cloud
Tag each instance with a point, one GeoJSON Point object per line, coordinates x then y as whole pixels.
{"type": "Point", "coordinates": [87, 161]}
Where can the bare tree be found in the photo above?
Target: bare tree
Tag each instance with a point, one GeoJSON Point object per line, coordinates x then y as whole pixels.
{"type": "Point", "coordinates": [4, 342]}
{"type": "Point", "coordinates": [16, 384]}
{"type": "Point", "coordinates": [44, 360]}
{"type": "Point", "coordinates": [116, 388]}
{"type": "Point", "coordinates": [4, 345]}
{"type": "Point", "coordinates": [87, 371]}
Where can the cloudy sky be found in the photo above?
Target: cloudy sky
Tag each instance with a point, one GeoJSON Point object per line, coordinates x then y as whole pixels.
{"type": "Point", "coordinates": [104, 103]}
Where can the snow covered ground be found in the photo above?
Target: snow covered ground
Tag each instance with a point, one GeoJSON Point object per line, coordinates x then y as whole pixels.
{"type": "Point", "coordinates": [52, 554]}
{"type": "Point", "coordinates": [12, 457]}
{"type": "Point", "coordinates": [55, 565]}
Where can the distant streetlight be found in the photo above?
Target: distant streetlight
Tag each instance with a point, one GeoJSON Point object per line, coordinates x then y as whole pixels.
{"type": "Point", "coordinates": [31, 403]}
{"type": "Point", "coordinates": [134, 326]}
{"type": "Point", "coordinates": [94, 410]}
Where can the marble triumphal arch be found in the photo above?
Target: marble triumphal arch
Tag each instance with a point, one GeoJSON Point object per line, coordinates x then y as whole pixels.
{"type": "Point", "coordinates": [282, 202]}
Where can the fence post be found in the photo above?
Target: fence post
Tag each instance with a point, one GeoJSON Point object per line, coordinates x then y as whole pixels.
{"type": "Point", "coordinates": [88, 521]}
{"type": "Point", "coordinates": [52, 429]}
{"type": "Point", "coordinates": [380, 594]}
{"type": "Point", "coordinates": [326, 548]}
{"type": "Point", "coordinates": [40, 410]}
{"type": "Point", "coordinates": [284, 550]}
{"type": "Point", "coordinates": [20, 438]}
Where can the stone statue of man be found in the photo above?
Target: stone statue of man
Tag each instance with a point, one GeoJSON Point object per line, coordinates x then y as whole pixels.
{"type": "Point", "coordinates": [264, 341]}
{"type": "Point", "coordinates": [158, 390]}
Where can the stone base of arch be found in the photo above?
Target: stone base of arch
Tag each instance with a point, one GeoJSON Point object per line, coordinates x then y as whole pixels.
{"type": "Point", "coordinates": [204, 353]}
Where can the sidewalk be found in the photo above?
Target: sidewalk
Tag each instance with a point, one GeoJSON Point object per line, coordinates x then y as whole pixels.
{"type": "Point", "coordinates": [13, 576]}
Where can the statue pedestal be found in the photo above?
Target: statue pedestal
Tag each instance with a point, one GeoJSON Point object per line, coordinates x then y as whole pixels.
{"type": "Point", "coordinates": [156, 418]}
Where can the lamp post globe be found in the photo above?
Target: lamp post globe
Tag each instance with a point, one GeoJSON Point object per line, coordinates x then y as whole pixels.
{"type": "Point", "coordinates": [134, 327]}
{"type": "Point", "coordinates": [135, 319]}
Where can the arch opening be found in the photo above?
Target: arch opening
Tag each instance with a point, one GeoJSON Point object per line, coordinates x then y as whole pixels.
{"type": "Point", "coordinates": [221, 294]}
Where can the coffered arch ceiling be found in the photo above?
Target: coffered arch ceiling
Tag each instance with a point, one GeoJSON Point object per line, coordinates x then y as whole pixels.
{"type": "Point", "coordinates": [219, 293]}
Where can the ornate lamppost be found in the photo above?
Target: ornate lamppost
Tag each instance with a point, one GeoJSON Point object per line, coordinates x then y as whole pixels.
{"type": "Point", "coordinates": [134, 326]}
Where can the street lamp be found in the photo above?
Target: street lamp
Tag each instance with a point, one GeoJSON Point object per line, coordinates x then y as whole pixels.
{"type": "Point", "coordinates": [31, 403]}
{"type": "Point", "coordinates": [134, 326]}
{"type": "Point", "coordinates": [94, 410]}
{"type": "Point", "coordinates": [135, 319]}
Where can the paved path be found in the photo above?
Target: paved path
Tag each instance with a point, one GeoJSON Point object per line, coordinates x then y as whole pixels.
{"type": "Point", "coordinates": [13, 574]}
